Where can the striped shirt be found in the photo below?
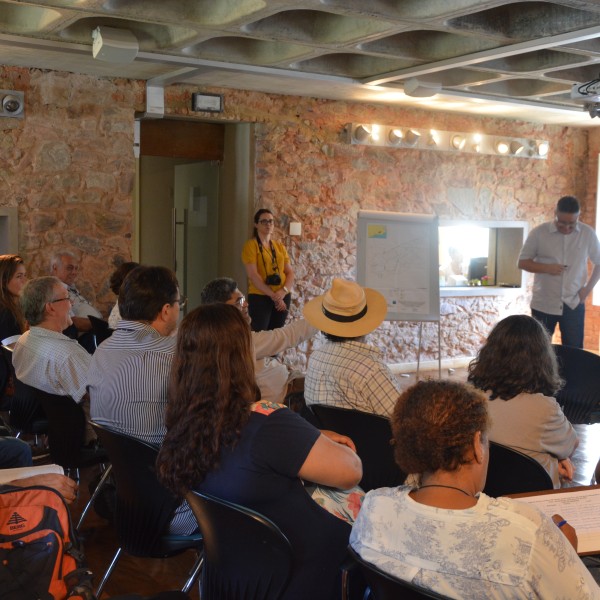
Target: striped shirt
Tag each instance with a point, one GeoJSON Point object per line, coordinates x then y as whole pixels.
{"type": "Point", "coordinates": [351, 375]}
{"type": "Point", "coordinates": [50, 361]}
{"type": "Point", "coordinates": [128, 380]}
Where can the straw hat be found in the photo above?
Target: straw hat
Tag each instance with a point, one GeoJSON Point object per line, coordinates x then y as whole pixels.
{"type": "Point", "coordinates": [346, 309]}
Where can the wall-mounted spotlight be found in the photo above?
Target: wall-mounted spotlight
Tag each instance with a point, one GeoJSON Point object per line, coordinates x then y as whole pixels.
{"type": "Point", "coordinates": [433, 138]}
{"type": "Point", "coordinates": [458, 141]}
{"type": "Point", "coordinates": [412, 137]}
{"type": "Point", "coordinates": [400, 136]}
{"type": "Point", "coordinates": [12, 104]}
{"type": "Point", "coordinates": [502, 147]}
{"type": "Point", "coordinates": [541, 148]}
{"type": "Point", "coordinates": [361, 133]}
{"type": "Point", "coordinates": [395, 136]}
{"type": "Point", "coordinates": [516, 147]}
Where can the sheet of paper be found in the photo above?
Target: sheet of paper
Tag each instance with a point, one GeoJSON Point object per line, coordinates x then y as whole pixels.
{"type": "Point", "coordinates": [20, 473]}
{"type": "Point", "coordinates": [581, 509]}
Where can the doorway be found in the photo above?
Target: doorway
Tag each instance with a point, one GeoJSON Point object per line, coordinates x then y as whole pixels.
{"type": "Point", "coordinates": [195, 200]}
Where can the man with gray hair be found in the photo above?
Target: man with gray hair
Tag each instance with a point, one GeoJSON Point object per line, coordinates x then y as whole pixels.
{"type": "Point", "coordinates": [272, 376]}
{"type": "Point", "coordinates": [65, 266]}
{"type": "Point", "coordinates": [43, 357]}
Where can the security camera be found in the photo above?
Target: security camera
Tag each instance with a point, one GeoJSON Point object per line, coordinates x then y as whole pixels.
{"type": "Point", "coordinates": [12, 103]}
{"type": "Point", "coordinates": [593, 109]}
{"type": "Point", "coordinates": [586, 92]}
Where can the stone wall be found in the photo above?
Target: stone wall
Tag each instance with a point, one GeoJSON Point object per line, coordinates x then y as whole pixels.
{"type": "Point", "coordinates": [306, 172]}
{"type": "Point", "coordinates": [69, 167]}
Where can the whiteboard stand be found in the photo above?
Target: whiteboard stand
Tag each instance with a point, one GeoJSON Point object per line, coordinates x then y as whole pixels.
{"type": "Point", "coordinates": [439, 336]}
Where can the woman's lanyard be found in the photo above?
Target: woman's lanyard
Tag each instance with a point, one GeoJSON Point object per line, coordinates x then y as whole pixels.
{"type": "Point", "coordinates": [273, 257]}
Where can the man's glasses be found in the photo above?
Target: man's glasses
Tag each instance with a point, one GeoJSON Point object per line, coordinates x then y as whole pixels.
{"type": "Point", "coordinates": [59, 300]}
{"type": "Point", "coordinates": [567, 223]}
{"type": "Point", "coordinates": [267, 221]}
{"type": "Point", "coordinates": [240, 302]}
{"type": "Point", "coordinates": [182, 301]}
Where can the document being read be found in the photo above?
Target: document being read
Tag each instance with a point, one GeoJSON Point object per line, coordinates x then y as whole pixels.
{"type": "Point", "coordinates": [580, 508]}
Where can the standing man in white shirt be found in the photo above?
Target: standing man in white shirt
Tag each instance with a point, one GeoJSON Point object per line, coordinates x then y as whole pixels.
{"type": "Point", "coordinates": [557, 253]}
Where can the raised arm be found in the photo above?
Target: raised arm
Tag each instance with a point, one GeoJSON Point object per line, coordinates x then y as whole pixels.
{"type": "Point", "coordinates": [332, 464]}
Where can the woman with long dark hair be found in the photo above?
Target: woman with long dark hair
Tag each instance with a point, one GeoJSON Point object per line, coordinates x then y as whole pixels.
{"type": "Point", "coordinates": [517, 368]}
{"type": "Point", "coordinates": [270, 275]}
{"type": "Point", "coordinates": [222, 440]}
{"type": "Point", "coordinates": [12, 281]}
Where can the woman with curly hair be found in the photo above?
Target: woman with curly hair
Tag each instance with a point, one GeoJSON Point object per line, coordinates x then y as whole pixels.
{"type": "Point", "coordinates": [222, 440]}
{"type": "Point", "coordinates": [12, 281]}
{"type": "Point", "coordinates": [444, 534]}
{"type": "Point", "coordinates": [518, 370]}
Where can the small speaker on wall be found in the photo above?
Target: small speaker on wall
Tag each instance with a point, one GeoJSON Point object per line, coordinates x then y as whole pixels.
{"type": "Point", "coordinates": [114, 45]}
{"type": "Point", "coordinates": [207, 103]}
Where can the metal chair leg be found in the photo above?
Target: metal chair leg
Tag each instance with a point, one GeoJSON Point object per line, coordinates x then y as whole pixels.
{"type": "Point", "coordinates": [94, 495]}
{"type": "Point", "coordinates": [108, 572]}
{"type": "Point", "coordinates": [194, 573]}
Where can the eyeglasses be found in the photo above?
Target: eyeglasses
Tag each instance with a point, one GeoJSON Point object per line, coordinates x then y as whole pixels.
{"type": "Point", "coordinates": [567, 223]}
{"type": "Point", "coordinates": [267, 221]}
{"type": "Point", "coordinates": [240, 302]}
{"type": "Point", "coordinates": [60, 300]}
{"type": "Point", "coordinates": [182, 301]}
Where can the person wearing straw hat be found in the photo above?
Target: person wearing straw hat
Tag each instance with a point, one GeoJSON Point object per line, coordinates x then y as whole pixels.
{"type": "Point", "coordinates": [346, 372]}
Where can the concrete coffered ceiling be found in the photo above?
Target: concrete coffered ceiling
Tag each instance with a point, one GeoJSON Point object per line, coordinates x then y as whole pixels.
{"type": "Point", "coordinates": [516, 59]}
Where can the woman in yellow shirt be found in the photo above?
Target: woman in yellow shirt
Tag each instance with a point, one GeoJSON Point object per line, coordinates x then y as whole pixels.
{"type": "Point", "coordinates": [270, 275]}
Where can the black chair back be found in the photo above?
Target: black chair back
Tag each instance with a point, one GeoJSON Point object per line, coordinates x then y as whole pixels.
{"type": "Point", "coordinates": [100, 329]}
{"type": "Point", "coordinates": [372, 435]}
{"type": "Point", "coordinates": [246, 556]}
{"type": "Point", "coordinates": [144, 507]}
{"type": "Point", "coordinates": [387, 587]}
{"type": "Point", "coordinates": [26, 414]}
{"type": "Point", "coordinates": [66, 432]}
{"type": "Point", "coordinates": [580, 396]}
{"type": "Point", "coordinates": [512, 472]}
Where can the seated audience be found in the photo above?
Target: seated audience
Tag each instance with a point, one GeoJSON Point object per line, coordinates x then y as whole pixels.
{"type": "Point", "coordinates": [223, 441]}
{"type": "Point", "coordinates": [65, 266]}
{"type": "Point", "coordinates": [346, 371]}
{"type": "Point", "coordinates": [116, 280]}
{"type": "Point", "coordinates": [43, 357]}
{"type": "Point", "coordinates": [518, 370]}
{"type": "Point", "coordinates": [445, 535]}
{"type": "Point", "coordinates": [129, 371]}
{"type": "Point", "coordinates": [12, 281]}
{"type": "Point", "coordinates": [272, 376]}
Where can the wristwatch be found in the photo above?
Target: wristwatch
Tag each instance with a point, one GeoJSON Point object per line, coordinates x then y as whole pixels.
{"type": "Point", "coordinates": [285, 290]}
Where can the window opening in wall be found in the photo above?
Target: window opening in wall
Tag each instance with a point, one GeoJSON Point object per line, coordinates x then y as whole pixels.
{"type": "Point", "coordinates": [478, 255]}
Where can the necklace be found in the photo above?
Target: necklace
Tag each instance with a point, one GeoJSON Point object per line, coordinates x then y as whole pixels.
{"type": "Point", "coordinates": [450, 487]}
